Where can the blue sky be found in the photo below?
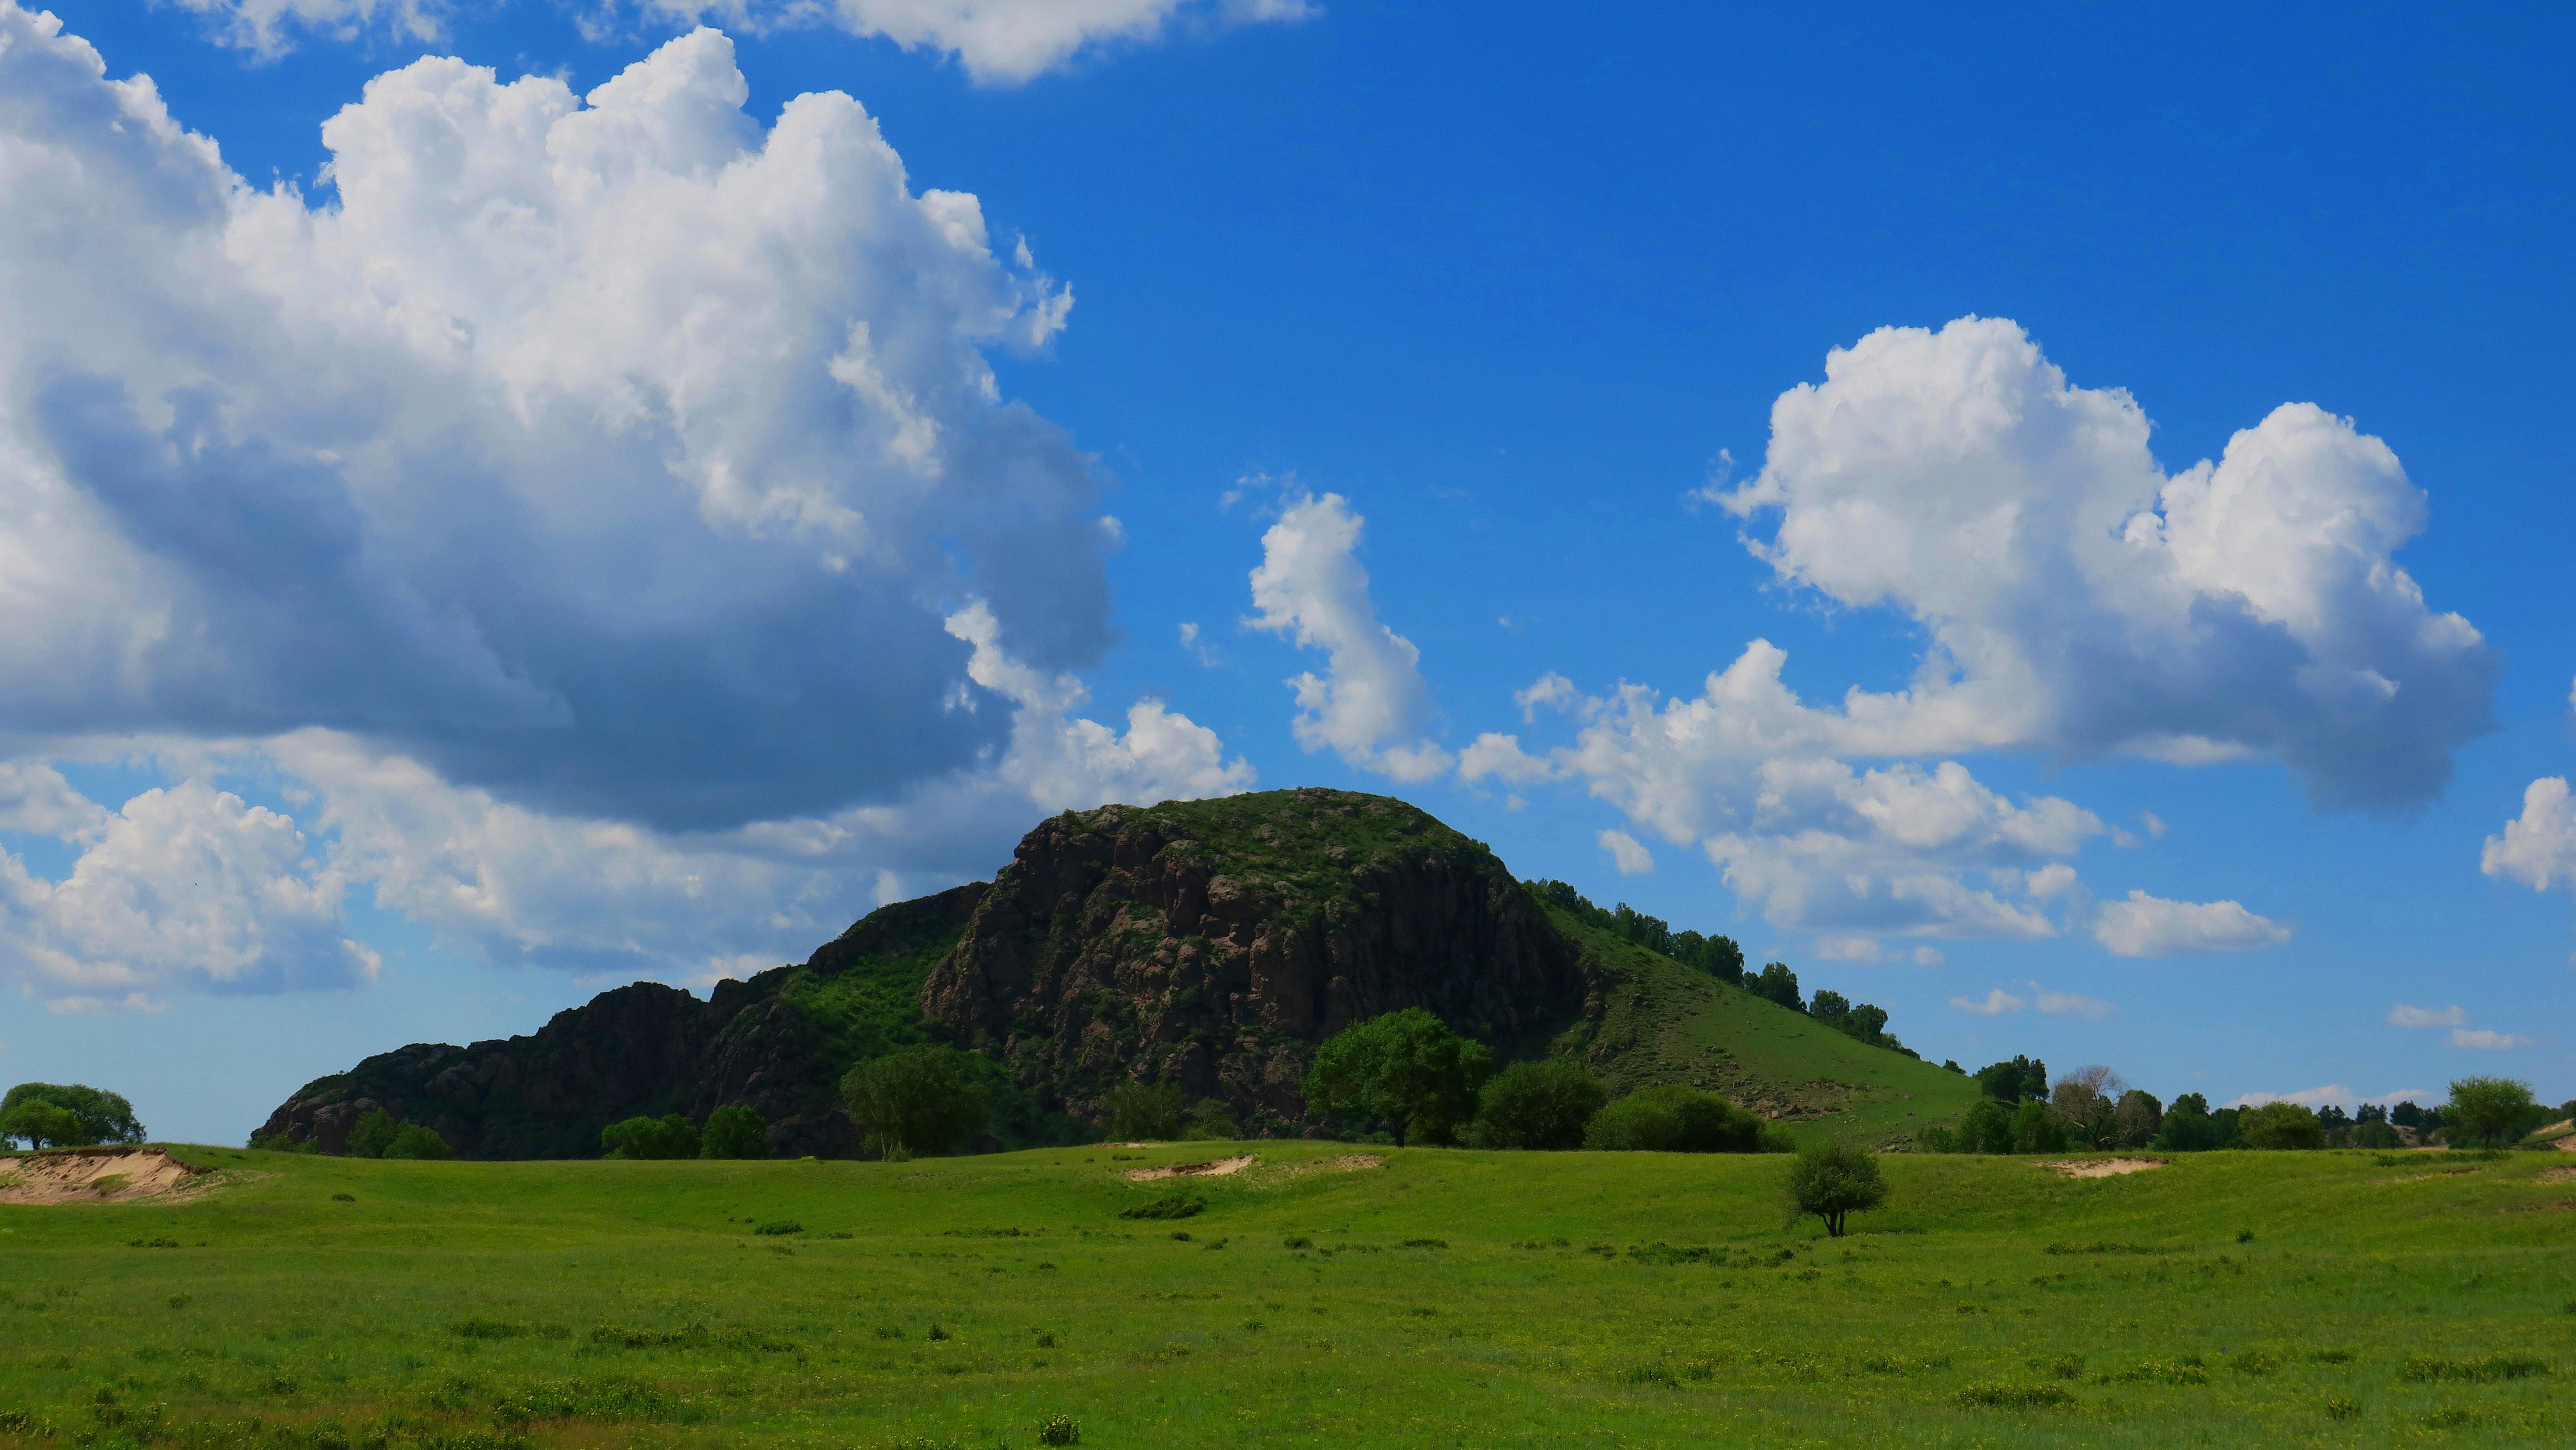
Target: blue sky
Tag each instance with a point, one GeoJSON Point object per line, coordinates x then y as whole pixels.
{"type": "Point", "coordinates": [498, 621]}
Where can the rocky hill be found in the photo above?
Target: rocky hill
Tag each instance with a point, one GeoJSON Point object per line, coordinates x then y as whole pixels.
{"type": "Point", "coordinates": [1210, 944]}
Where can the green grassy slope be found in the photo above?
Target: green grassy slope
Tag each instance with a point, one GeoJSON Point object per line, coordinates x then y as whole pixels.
{"type": "Point", "coordinates": [1447, 1298]}
{"type": "Point", "coordinates": [1663, 1022]}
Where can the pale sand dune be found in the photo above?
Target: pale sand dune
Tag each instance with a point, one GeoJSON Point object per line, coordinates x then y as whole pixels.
{"type": "Point", "coordinates": [93, 1175]}
{"type": "Point", "coordinates": [1221, 1168]}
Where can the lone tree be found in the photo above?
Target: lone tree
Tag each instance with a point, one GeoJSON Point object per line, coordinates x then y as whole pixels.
{"type": "Point", "coordinates": [1832, 1180]}
{"type": "Point", "coordinates": [2488, 1112]}
{"type": "Point", "coordinates": [1405, 1070]}
{"type": "Point", "coordinates": [673, 1136]}
{"type": "Point", "coordinates": [921, 1101]}
{"type": "Point", "coordinates": [67, 1115]}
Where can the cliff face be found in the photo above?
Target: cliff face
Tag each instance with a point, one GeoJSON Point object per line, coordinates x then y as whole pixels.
{"type": "Point", "coordinates": [650, 1049]}
{"type": "Point", "coordinates": [1213, 944]}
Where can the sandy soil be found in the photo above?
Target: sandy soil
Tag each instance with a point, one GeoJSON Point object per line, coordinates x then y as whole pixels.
{"type": "Point", "coordinates": [2557, 1175]}
{"type": "Point", "coordinates": [1221, 1168]}
{"type": "Point", "coordinates": [2101, 1167]}
{"type": "Point", "coordinates": [1346, 1163]}
{"type": "Point", "coordinates": [96, 1175]}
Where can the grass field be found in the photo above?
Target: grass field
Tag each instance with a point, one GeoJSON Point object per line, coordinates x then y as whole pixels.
{"type": "Point", "coordinates": [1444, 1298]}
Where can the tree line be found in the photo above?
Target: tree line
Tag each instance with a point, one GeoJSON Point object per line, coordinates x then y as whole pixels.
{"type": "Point", "coordinates": [1720, 957]}
{"type": "Point", "coordinates": [2021, 1111]}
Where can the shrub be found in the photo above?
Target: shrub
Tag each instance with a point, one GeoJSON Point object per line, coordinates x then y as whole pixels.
{"type": "Point", "coordinates": [1176, 1205]}
{"type": "Point", "coordinates": [2279, 1126]}
{"type": "Point", "coordinates": [375, 1132]}
{"type": "Point", "coordinates": [777, 1227]}
{"type": "Point", "coordinates": [2036, 1128]}
{"type": "Point", "coordinates": [668, 1137]}
{"type": "Point", "coordinates": [2376, 1135]}
{"type": "Point", "coordinates": [1674, 1119]}
{"type": "Point", "coordinates": [1986, 1127]}
{"type": "Point", "coordinates": [1148, 1111]}
{"type": "Point", "coordinates": [67, 1115]}
{"type": "Point", "coordinates": [1833, 1180]}
{"type": "Point", "coordinates": [1937, 1139]}
{"type": "Point", "coordinates": [1211, 1120]}
{"type": "Point", "coordinates": [1536, 1105]}
{"type": "Point", "coordinates": [1404, 1070]}
{"type": "Point", "coordinates": [920, 1101]}
{"type": "Point", "coordinates": [2426, 1368]}
{"type": "Point", "coordinates": [734, 1131]}
{"type": "Point", "coordinates": [1059, 1430]}
{"type": "Point", "coordinates": [415, 1141]}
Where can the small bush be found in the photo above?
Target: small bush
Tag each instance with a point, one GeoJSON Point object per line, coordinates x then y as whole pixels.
{"type": "Point", "coordinates": [1832, 1181]}
{"type": "Point", "coordinates": [2342, 1409]}
{"type": "Point", "coordinates": [1059, 1430]}
{"type": "Point", "coordinates": [1300, 1241]}
{"type": "Point", "coordinates": [375, 1132]}
{"type": "Point", "coordinates": [2013, 1397]}
{"type": "Point", "coordinates": [182, 1301]}
{"type": "Point", "coordinates": [1542, 1105]}
{"type": "Point", "coordinates": [651, 1138]}
{"type": "Point", "coordinates": [487, 1329]}
{"type": "Point", "coordinates": [415, 1141]}
{"type": "Point", "coordinates": [1176, 1205]}
{"type": "Point", "coordinates": [1424, 1244]}
{"type": "Point", "coordinates": [344, 1198]}
{"type": "Point", "coordinates": [154, 1244]}
{"type": "Point", "coordinates": [780, 1226]}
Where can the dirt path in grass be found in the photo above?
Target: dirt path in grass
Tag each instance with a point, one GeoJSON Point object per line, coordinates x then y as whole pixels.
{"type": "Point", "coordinates": [96, 1175]}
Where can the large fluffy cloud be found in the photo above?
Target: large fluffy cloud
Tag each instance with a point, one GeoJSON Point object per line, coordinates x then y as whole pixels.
{"type": "Point", "coordinates": [2075, 601]}
{"type": "Point", "coordinates": [998, 41]}
{"type": "Point", "coordinates": [2078, 600]}
{"type": "Point", "coordinates": [615, 457]}
{"type": "Point", "coordinates": [598, 519]}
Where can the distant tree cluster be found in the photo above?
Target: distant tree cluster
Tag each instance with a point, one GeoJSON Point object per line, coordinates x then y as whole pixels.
{"type": "Point", "coordinates": [1718, 956]}
{"type": "Point", "coordinates": [66, 1115]}
{"type": "Point", "coordinates": [2091, 1108]}
{"type": "Point", "coordinates": [1406, 1075]}
{"type": "Point", "coordinates": [731, 1131]}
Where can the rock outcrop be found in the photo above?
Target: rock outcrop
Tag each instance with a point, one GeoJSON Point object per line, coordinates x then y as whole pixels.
{"type": "Point", "coordinates": [1213, 944]}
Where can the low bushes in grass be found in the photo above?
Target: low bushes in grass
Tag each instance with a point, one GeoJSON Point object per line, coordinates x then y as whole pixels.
{"type": "Point", "coordinates": [2013, 1397]}
{"type": "Point", "coordinates": [2426, 1368]}
{"type": "Point", "coordinates": [1059, 1430]}
{"type": "Point", "coordinates": [608, 1400]}
{"type": "Point", "coordinates": [1173, 1205]}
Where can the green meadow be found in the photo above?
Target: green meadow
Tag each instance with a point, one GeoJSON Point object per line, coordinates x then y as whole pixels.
{"type": "Point", "coordinates": [1440, 1298]}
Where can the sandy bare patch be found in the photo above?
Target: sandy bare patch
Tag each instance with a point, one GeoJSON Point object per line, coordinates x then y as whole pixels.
{"type": "Point", "coordinates": [1221, 1168]}
{"type": "Point", "coordinates": [2436, 1173]}
{"type": "Point", "coordinates": [96, 1175]}
{"type": "Point", "coordinates": [2556, 1175]}
{"type": "Point", "coordinates": [2100, 1167]}
{"type": "Point", "coordinates": [2567, 1144]}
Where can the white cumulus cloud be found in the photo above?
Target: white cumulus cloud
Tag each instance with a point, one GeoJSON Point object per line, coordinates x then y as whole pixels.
{"type": "Point", "coordinates": [2487, 1041]}
{"type": "Point", "coordinates": [1631, 856]}
{"type": "Point", "coordinates": [2151, 926]}
{"type": "Point", "coordinates": [2537, 849]}
{"type": "Point", "coordinates": [598, 514]}
{"type": "Point", "coordinates": [1994, 1004]}
{"type": "Point", "coordinates": [1371, 704]}
{"type": "Point", "coordinates": [1000, 42]}
{"type": "Point", "coordinates": [2405, 1016]}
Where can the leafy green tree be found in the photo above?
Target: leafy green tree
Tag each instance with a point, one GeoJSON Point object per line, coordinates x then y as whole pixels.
{"type": "Point", "coordinates": [2488, 1112]}
{"type": "Point", "coordinates": [415, 1141]}
{"type": "Point", "coordinates": [2278, 1126]}
{"type": "Point", "coordinates": [734, 1131]}
{"type": "Point", "coordinates": [921, 1101]}
{"type": "Point", "coordinates": [1144, 1111]}
{"type": "Point", "coordinates": [2376, 1135]}
{"type": "Point", "coordinates": [1718, 956]}
{"type": "Point", "coordinates": [2139, 1116]}
{"type": "Point", "coordinates": [2187, 1127]}
{"type": "Point", "coordinates": [1674, 1119]}
{"type": "Point", "coordinates": [2010, 1082]}
{"type": "Point", "coordinates": [1404, 1070]}
{"type": "Point", "coordinates": [1211, 1120]}
{"type": "Point", "coordinates": [97, 1116]}
{"type": "Point", "coordinates": [1776, 984]}
{"type": "Point", "coordinates": [1833, 1180]}
{"type": "Point", "coordinates": [39, 1124]}
{"type": "Point", "coordinates": [1986, 1127]}
{"type": "Point", "coordinates": [375, 1131]}
{"type": "Point", "coordinates": [2036, 1128]}
{"type": "Point", "coordinates": [1537, 1105]}
{"type": "Point", "coordinates": [667, 1137]}
{"type": "Point", "coordinates": [2087, 1100]}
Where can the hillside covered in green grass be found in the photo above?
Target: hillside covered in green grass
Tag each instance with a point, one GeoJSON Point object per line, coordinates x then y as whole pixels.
{"type": "Point", "coordinates": [1210, 945]}
{"type": "Point", "coordinates": [1322, 1294]}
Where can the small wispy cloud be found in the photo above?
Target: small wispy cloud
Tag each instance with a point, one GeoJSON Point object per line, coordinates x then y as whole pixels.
{"type": "Point", "coordinates": [1994, 1004]}
{"type": "Point", "coordinates": [2402, 1015]}
{"type": "Point", "coordinates": [2074, 1004]}
{"type": "Point", "coordinates": [2487, 1041]}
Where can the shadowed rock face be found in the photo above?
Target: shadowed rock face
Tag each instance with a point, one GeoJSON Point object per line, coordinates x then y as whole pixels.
{"type": "Point", "coordinates": [644, 1049]}
{"type": "Point", "coordinates": [1214, 943]}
